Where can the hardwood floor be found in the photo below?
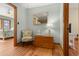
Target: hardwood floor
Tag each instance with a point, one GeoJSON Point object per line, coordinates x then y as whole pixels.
{"type": "Point", "coordinates": [7, 49]}
{"type": "Point", "coordinates": [74, 52]}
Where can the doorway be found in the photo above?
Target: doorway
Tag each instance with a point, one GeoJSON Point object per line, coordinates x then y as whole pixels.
{"type": "Point", "coordinates": [14, 15]}
{"type": "Point", "coordinates": [73, 29]}
{"type": "Point", "coordinates": [15, 23]}
{"type": "Point", "coordinates": [66, 15]}
{"type": "Point", "coordinates": [6, 22]}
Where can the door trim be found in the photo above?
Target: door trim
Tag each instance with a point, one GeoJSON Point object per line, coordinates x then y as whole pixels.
{"type": "Point", "coordinates": [66, 33]}
{"type": "Point", "coordinates": [15, 23]}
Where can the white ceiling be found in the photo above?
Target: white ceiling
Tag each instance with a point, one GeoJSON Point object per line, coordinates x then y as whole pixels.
{"type": "Point", "coordinates": [32, 5]}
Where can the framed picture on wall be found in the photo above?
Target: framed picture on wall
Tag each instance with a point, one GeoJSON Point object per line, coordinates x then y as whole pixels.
{"type": "Point", "coordinates": [40, 18]}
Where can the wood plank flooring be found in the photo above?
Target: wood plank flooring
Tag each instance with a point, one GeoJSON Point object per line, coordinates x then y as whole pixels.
{"type": "Point", "coordinates": [7, 49]}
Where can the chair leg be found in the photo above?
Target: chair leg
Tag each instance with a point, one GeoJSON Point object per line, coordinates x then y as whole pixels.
{"type": "Point", "coordinates": [22, 44]}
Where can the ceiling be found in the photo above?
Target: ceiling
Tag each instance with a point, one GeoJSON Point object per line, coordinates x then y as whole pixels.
{"type": "Point", "coordinates": [32, 5]}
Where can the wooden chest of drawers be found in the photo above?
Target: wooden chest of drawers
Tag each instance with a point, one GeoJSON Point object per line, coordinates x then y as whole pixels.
{"type": "Point", "coordinates": [43, 41]}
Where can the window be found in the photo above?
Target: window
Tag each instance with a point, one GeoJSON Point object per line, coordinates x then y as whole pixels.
{"type": "Point", "coordinates": [6, 25]}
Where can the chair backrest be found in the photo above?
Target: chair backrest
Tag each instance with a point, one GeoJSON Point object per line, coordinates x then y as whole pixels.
{"type": "Point", "coordinates": [27, 33]}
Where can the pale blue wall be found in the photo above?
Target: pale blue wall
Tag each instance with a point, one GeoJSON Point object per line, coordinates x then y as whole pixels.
{"type": "Point", "coordinates": [53, 17]}
{"type": "Point", "coordinates": [21, 18]}
{"type": "Point", "coordinates": [55, 14]}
